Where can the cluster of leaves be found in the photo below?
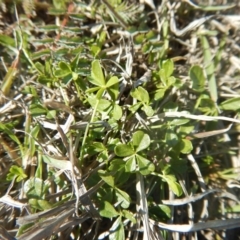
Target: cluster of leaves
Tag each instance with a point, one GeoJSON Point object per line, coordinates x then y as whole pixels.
{"type": "Point", "coordinates": [68, 75]}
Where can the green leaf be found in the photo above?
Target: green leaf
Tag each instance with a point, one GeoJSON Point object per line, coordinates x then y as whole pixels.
{"type": "Point", "coordinates": [197, 76]}
{"type": "Point", "coordinates": [59, 164]}
{"type": "Point", "coordinates": [39, 67]}
{"type": "Point", "coordinates": [170, 107]}
{"type": "Point", "coordinates": [129, 215]}
{"type": "Point", "coordinates": [116, 112]}
{"type": "Point", "coordinates": [144, 165]}
{"type": "Point", "coordinates": [171, 138]}
{"type": "Point", "coordinates": [49, 27]}
{"type": "Point", "coordinates": [103, 156]}
{"type": "Point", "coordinates": [51, 114]}
{"type": "Point", "coordinates": [34, 188]}
{"type": "Point", "coordinates": [107, 210]}
{"type": "Point", "coordinates": [117, 230]}
{"type": "Point", "coordinates": [207, 106]}
{"type": "Point", "coordinates": [151, 35]}
{"type": "Point", "coordinates": [174, 186]}
{"type": "Point", "coordinates": [8, 80]}
{"type": "Point", "coordinates": [97, 74]}
{"type": "Point", "coordinates": [113, 91]}
{"type": "Point", "coordinates": [210, 68]}
{"type": "Point", "coordinates": [141, 141]}
{"type": "Point", "coordinates": [147, 47]}
{"type": "Point", "coordinates": [34, 133]}
{"type": "Point", "coordinates": [170, 81]}
{"type": "Point", "coordinates": [106, 177]}
{"type": "Point", "coordinates": [102, 38]}
{"type": "Point", "coordinates": [118, 167]}
{"type": "Point", "coordinates": [7, 41]}
{"type": "Point", "coordinates": [117, 164]}
{"type": "Point", "coordinates": [24, 228]}
{"type": "Point", "coordinates": [106, 194]}
{"type": "Point", "coordinates": [168, 67]}
{"type": "Point", "coordinates": [148, 110]}
{"type": "Point", "coordinates": [112, 81]}
{"type": "Point", "coordinates": [39, 170]}
{"type": "Point", "coordinates": [64, 70]}
{"type": "Point", "coordinates": [165, 209]}
{"type": "Point", "coordinates": [123, 197]}
{"type": "Point", "coordinates": [160, 211]}
{"type": "Point", "coordinates": [215, 8]}
{"type": "Point", "coordinates": [37, 109]}
{"type": "Point", "coordinates": [100, 94]}
{"type": "Point", "coordinates": [185, 146]}
{"type": "Point", "coordinates": [103, 104]}
{"type": "Point", "coordinates": [163, 77]}
{"type": "Point", "coordinates": [123, 150]}
{"type": "Point", "coordinates": [11, 134]}
{"type": "Point", "coordinates": [39, 204]}
{"type": "Point", "coordinates": [98, 147]}
{"type": "Point", "coordinates": [17, 172]}
{"type": "Point", "coordinates": [135, 107]}
{"type": "Point", "coordinates": [232, 104]}
{"type": "Point", "coordinates": [74, 76]}
{"type": "Point", "coordinates": [179, 121]}
{"type": "Point", "coordinates": [139, 38]}
{"type": "Point", "coordinates": [30, 90]}
{"type": "Point", "coordinates": [178, 166]}
{"type": "Point", "coordinates": [95, 50]}
{"type": "Point", "coordinates": [140, 94]}
{"type": "Point", "coordinates": [44, 41]}
{"type": "Point", "coordinates": [131, 165]}
{"type": "Point", "coordinates": [159, 94]}
{"type": "Point", "coordinates": [57, 11]}
{"type": "Point", "coordinates": [233, 209]}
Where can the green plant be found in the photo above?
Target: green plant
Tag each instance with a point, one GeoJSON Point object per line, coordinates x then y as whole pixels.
{"type": "Point", "coordinates": [114, 117]}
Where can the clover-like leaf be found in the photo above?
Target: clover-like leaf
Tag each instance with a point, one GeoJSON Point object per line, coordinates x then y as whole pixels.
{"type": "Point", "coordinates": [144, 165]}
{"type": "Point", "coordinates": [112, 81]}
{"type": "Point", "coordinates": [141, 140]}
{"type": "Point", "coordinates": [116, 112]}
{"type": "Point", "coordinates": [171, 137]}
{"type": "Point", "coordinates": [39, 204]}
{"type": "Point", "coordinates": [63, 70]}
{"type": "Point", "coordinates": [140, 94]}
{"type": "Point", "coordinates": [117, 230]}
{"type": "Point", "coordinates": [197, 76]}
{"type": "Point", "coordinates": [232, 104]}
{"type": "Point", "coordinates": [131, 165]}
{"type": "Point", "coordinates": [168, 67]}
{"type": "Point", "coordinates": [17, 172]}
{"type": "Point", "coordinates": [59, 164]}
{"type": "Point", "coordinates": [107, 210]}
{"type": "Point", "coordinates": [185, 146]}
{"type": "Point", "coordinates": [123, 150]}
{"type": "Point", "coordinates": [174, 186]}
{"type": "Point", "coordinates": [123, 197]}
{"type": "Point", "coordinates": [106, 177]}
{"type": "Point", "coordinates": [34, 187]}
{"type": "Point", "coordinates": [159, 94]}
{"type": "Point", "coordinates": [97, 74]}
{"type": "Point", "coordinates": [179, 121]}
{"type": "Point", "coordinates": [148, 110]}
{"type": "Point", "coordinates": [37, 109]}
{"type": "Point", "coordinates": [129, 215]}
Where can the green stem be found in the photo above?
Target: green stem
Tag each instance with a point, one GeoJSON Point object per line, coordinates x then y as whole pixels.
{"type": "Point", "coordinates": [86, 132]}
